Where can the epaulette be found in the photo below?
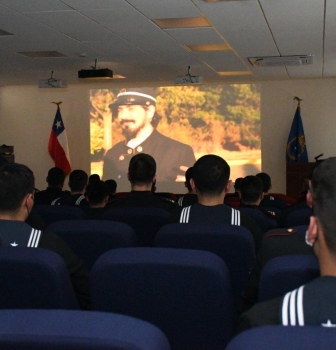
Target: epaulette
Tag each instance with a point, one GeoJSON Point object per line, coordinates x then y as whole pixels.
{"type": "Point", "coordinates": [281, 232]}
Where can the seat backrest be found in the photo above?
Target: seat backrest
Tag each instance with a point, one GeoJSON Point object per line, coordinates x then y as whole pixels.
{"type": "Point", "coordinates": [298, 217]}
{"type": "Point", "coordinates": [186, 293]}
{"type": "Point", "coordinates": [73, 330]}
{"type": "Point", "coordinates": [265, 223]}
{"type": "Point", "coordinates": [89, 239]}
{"type": "Point", "coordinates": [286, 273]}
{"type": "Point", "coordinates": [34, 278]}
{"type": "Point", "coordinates": [145, 221]}
{"type": "Point", "coordinates": [52, 213]}
{"type": "Point", "coordinates": [279, 338]}
{"type": "Point", "coordinates": [233, 244]}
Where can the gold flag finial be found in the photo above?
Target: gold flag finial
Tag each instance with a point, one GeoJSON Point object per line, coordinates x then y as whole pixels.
{"type": "Point", "coordinates": [57, 103]}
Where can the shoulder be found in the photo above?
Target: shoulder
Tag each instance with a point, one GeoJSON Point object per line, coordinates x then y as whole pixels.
{"type": "Point", "coordinates": [167, 140]}
{"type": "Point", "coordinates": [262, 314]}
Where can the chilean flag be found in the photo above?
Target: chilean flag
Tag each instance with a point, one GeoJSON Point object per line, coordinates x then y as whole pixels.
{"type": "Point", "coordinates": [58, 144]}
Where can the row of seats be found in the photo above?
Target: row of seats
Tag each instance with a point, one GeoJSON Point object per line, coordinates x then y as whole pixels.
{"type": "Point", "coordinates": [89, 239]}
{"type": "Point", "coordinates": [185, 293]}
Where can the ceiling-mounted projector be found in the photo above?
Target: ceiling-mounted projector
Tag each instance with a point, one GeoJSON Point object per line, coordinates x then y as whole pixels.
{"type": "Point", "coordinates": [188, 78]}
{"type": "Point", "coordinates": [95, 73]}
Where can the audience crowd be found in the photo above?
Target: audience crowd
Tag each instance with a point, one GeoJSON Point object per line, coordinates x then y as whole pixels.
{"type": "Point", "coordinates": [208, 200]}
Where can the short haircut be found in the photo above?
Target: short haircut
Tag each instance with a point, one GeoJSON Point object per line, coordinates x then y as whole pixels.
{"type": "Point", "coordinates": [251, 189]}
{"type": "Point", "coordinates": [188, 177]}
{"type": "Point", "coordinates": [96, 192]}
{"type": "Point", "coordinates": [94, 177]}
{"type": "Point", "coordinates": [56, 176]}
{"type": "Point", "coordinates": [111, 185]}
{"type": "Point", "coordinates": [266, 181]}
{"type": "Point", "coordinates": [237, 184]}
{"type": "Point", "coordinates": [142, 169]}
{"type": "Point", "coordinates": [78, 180]}
{"type": "Point", "coordinates": [211, 174]}
{"type": "Point", "coordinates": [324, 199]}
{"type": "Point", "coordinates": [16, 181]}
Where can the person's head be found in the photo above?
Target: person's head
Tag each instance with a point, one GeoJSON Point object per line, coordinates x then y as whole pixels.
{"type": "Point", "coordinates": [78, 180]}
{"type": "Point", "coordinates": [211, 175]}
{"type": "Point", "coordinates": [237, 184]}
{"type": "Point", "coordinates": [142, 170]}
{"type": "Point", "coordinates": [16, 190]}
{"type": "Point", "coordinates": [135, 109]}
{"type": "Point", "coordinates": [3, 160]}
{"type": "Point", "coordinates": [56, 177]}
{"type": "Point", "coordinates": [111, 186]}
{"type": "Point", "coordinates": [322, 227]}
{"type": "Point", "coordinates": [97, 194]}
{"type": "Point", "coordinates": [93, 178]}
{"type": "Point", "coordinates": [188, 177]}
{"type": "Point", "coordinates": [251, 190]}
{"type": "Point", "coordinates": [266, 181]}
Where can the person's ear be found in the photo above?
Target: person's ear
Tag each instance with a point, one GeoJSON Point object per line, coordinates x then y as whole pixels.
{"type": "Point", "coordinates": [311, 234]}
{"type": "Point", "coordinates": [128, 178]}
{"type": "Point", "coordinates": [150, 112]}
{"type": "Point", "coordinates": [154, 179]}
{"type": "Point", "coordinates": [192, 184]}
{"type": "Point", "coordinates": [262, 196]}
{"type": "Point", "coordinates": [228, 186]}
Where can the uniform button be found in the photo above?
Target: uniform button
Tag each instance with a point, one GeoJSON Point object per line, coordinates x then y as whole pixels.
{"type": "Point", "coordinates": [139, 149]}
{"type": "Point", "coordinates": [129, 151]}
{"type": "Point", "coordinates": [121, 158]}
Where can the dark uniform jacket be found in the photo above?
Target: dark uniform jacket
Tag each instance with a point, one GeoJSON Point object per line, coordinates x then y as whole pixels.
{"type": "Point", "coordinates": [217, 214]}
{"type": "Point", "coordinates": [273, 202]}
{"type": "Point", "coordinates": [143, 199]}
{"type": "Point", "coordinates": [17, 233]}
{"type": "Point", "coordinates": [169, 155]}
{"type": "Point", "coordinates": [73, 200]}
{"type": "Point", "coordinates": [312, 304]}
{"type": "Point", "coordinates": [275, 243]}
{"type": "Point", "coordinates": [187, 199]}
{"type": "Point", "coordinates": [48, 195]}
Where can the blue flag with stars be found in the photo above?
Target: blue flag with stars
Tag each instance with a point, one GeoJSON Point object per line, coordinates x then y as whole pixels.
{"type": "Point", "coordinates": [296, 150]}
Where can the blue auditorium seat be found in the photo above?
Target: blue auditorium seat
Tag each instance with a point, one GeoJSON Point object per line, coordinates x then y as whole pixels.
{"type": "Point", "coordinates": [52, 213]}
{"type": "Point", "coordinates": [234, 244]}
{"type": "Point", "coordinates": [283, 338]}
{"type": "Point", "coordinates": [74, 330]}
{"type": "Point", "coordinates": [286, 273]}
{"type": "Point", "coordinates": [34, 278]}
{"type": "Point", "coordinates": [91, 238]}
{"type": "Point", "coordinates": [186, 293]}
{"type": "Point", "coordinates": [145, 221]}
{"type": "Point", "coordinates": [298, 217]}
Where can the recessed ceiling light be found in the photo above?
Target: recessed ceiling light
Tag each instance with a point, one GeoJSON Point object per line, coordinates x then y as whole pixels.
{"type": "Point", "coordinates": [41, 54]}
{"type": "Point", "coordinates": [232, 73]}
{"type": "Point", "coordinates": [209, 47]}
{"type": "Point", "coordinates": [187, 22]}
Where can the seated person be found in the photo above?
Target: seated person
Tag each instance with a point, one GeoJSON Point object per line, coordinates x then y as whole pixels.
{"type": "Point", "coordinates": [78, 180]}
{"type": "Point", "coordinates": [191, 196]}
{"type": "Point", "coordinates": [93, 178]}
{"type": "Point", "coordinates": [112, 189]}
{"type": "Point", "coordinates": [55, 180]}
{"type": "Point", "coordinates": [251, 195]}
{"type": "Point", "coordinates": [142, 175]}
{"type": "Point", "coordinates": [268, 200]}
{"type": "Point", "coordinates": [97, 196]}
{"type": "Point", "coordinates": [210, 180]}
{"type": "Point", "coordinates": [16, 202]}
{"type": "Point", "coordinates": [315, 302]}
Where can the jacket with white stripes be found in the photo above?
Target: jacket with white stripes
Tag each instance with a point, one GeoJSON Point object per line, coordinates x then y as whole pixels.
{"type": "Point", "coordinates": [217, 214]}
{"type": "Point", "coordinates": [18, 233]}
{"type": "Point", "coordinates": [312, 304]}
{"type": "Point", "coordinates": [72, 199]}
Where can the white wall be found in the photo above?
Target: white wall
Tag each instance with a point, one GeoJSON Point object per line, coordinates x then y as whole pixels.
{"type": "Point", "coordinates": [26, 116]}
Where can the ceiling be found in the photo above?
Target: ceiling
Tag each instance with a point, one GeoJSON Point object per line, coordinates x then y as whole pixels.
{"type": "Point", "coordinates": [123, 36]}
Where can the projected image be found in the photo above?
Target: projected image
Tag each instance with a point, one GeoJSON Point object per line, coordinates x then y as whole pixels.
{"type": "Point", "coordinates": [176, 125]}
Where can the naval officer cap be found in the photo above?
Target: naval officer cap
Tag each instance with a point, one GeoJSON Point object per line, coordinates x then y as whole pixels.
{"type": "Point", "coordinates": [142, 97]}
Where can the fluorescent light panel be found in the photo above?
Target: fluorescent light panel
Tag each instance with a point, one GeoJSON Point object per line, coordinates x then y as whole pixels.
{"type": "Point", "coordinates": [187, 22]}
